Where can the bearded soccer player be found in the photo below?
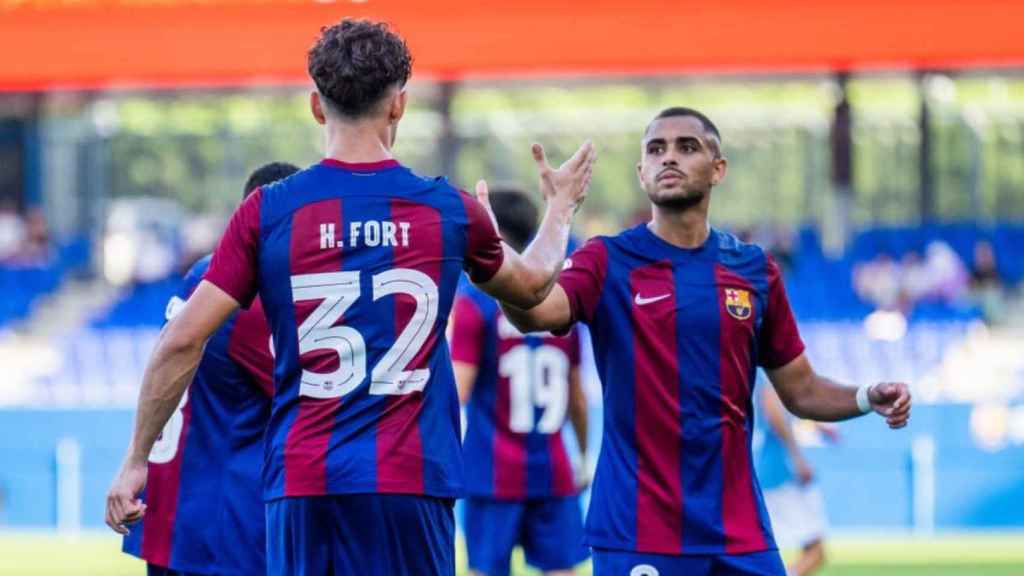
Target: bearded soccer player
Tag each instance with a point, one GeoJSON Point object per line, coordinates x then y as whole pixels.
{"type": "Point", "coordinates": [519, 389]}
{"type": "Point", "coordinates": [681, 316]}
{"type": "Point", "coordinates": [204, 511]}
{"type": "Point", "coordinates": [356, 260]}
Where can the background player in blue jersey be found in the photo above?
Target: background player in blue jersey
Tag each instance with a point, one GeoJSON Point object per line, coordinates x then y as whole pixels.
{"type": "Point", "coordinates": [357, 261]}
{"type": "Point", "coordinates": [681, 316]}
{"type": "Point", "coordinates": [204, 513]}
{"type": "Point", "coordinates": [519, 388]}
{"type": "Point", "coordinates": [794, 501]}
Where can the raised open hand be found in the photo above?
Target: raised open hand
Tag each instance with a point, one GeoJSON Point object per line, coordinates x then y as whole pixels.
{"type": "Point", "coordinates": [571, 181]}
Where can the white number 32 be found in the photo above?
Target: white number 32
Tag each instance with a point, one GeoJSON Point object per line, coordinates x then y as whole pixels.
{"type": "Point", "coordinates": [337, 291]}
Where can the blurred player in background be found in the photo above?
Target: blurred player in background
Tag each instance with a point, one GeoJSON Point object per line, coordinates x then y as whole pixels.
{"type": "Point", "coordinates": [204, 510]}
{"type": "Point", "coordinates": [521, 487]}
{"type": "Point", "coordinates": [681, 315]}
{"type": "Point", "coordinates": [357, 261]}
{"type": "Point", "coordinates": [794, 502]}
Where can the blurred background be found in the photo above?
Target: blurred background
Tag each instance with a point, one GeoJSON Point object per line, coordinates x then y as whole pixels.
{"type": "Point", "coordinates": [876, 148]}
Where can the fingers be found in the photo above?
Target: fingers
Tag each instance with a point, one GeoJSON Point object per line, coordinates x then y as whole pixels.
{"type": "Point", "coordinates": [483, 195]}
{"type": "Point", "coordinates": [539, 157]}
{"type": "Point", "coordinates": [115, 514]}
{"type": "Point", "coordinates": [584, 155]}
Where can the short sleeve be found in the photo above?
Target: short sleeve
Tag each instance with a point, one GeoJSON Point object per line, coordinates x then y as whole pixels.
{"type": "Point", "coordinates": [188, 285]}
{"type": "Point", "coordinates": [467, 333]}
{"type": "Point", "coordinates": [779, 339]}
{"type": "Point", "coordinates": [234, 265]}
{"type": "Point", "coordinates": [484, 251]}
{"type": "Point", "coordinates": [583, 277]}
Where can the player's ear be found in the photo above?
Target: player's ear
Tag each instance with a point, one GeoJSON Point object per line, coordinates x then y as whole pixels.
{"type": "Point", "coordinates": [719, 170]}
{"type": "Point", "coordinates": [640, 173]}
{"type": "Point", "coordinates": [397, 107]}
{"type": "Point", "coordinates": [317, 108]}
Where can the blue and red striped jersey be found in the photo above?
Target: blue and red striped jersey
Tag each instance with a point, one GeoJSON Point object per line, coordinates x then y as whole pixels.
{"type": "Point", "coordinates": [204, 511]}
{"type": "Point", "coordinates": [357, 266]}
{"type": "Point", "coordinates": [677, 335]}
{"type": "Point", "coordinates": [519, 402]}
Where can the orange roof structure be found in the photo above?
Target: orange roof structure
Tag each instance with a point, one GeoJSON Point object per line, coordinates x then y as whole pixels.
{"type": "Point", "coordinates": [97, 44]}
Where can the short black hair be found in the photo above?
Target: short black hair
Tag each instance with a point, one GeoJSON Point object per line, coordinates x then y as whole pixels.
{"type": "Point", "coordinates": [355, 62]}
{"type": "Point", "coordinates": [674, 111]}
{"type": "Point", "coordinates": [516, 215]}
{"type": "Point", "coordinates": [267, 174]}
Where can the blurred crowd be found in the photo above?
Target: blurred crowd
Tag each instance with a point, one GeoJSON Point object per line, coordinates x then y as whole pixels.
{"type": "Point", "coordinates": [24, 237]}
{"type": "Point", "coordinates": [936, 276]}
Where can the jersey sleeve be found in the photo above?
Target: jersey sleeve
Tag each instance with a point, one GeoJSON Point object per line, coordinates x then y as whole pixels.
{"type": "Point", "coordinates": [188, 286]}
{"type": "Point", "coordinates": [779, 340]}
{"type": "Point", "coordinates": [583, 277]}
{"type": "Point", "coordinates": [468, 327]}
{"type": "Point", "coordinates": [484, 251]}
{"type": "Point", "coordinates": [234, 264]}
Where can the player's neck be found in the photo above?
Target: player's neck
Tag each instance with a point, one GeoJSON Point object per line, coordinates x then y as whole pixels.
{"type": "Point", "coordinates": [687, 228]}
{"type": "Point", "coordinates": [358, 142]}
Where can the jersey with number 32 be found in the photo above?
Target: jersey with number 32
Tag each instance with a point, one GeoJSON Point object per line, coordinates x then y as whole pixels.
{"type": "Point", "coordinates": [519, 402]}
{"type": "Point", "coordinates": [357, 266]}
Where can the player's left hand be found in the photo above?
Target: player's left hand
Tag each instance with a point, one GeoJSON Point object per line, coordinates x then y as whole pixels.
{"type": "Point", "coordinates": [891, 400]}
{"type": "Point", "coordinates": [123, 504]}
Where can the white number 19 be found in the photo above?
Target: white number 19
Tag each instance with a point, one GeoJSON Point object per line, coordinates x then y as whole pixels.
{"type": "Point", "coordinates": [538, 377]}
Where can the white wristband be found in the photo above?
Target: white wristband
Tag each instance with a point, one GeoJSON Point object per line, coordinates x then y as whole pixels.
{"type": "Point", "coordinates": [863, 402]}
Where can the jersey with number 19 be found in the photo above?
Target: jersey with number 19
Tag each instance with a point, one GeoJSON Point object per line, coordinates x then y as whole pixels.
{"type": "Point", "coordinates": [357, 266]}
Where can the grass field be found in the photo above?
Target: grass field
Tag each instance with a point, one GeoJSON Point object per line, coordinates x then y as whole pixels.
{"type": "Point", "coordinates": [97, 554]}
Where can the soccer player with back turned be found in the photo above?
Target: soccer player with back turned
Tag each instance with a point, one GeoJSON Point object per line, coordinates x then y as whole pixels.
{"type": "Point", "coordinates": [681, 315]}
{"type": "Point", "coordinates": [356, 260]}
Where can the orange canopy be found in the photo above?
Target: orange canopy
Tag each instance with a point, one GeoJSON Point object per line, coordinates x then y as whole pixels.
{"type": "Point", "coordinates": [53, 44]}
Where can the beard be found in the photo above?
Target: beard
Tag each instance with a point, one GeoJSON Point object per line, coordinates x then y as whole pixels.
{"type": "Point", "coordinates": [679, 202]}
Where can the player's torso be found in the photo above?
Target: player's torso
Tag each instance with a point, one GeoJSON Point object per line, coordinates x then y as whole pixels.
{"type": "Point", "coordinates": [675, 338]}
{"type": "Point", "coordinates": [358, 270]}
{"type": "Point", "coordinates": [517, 411]}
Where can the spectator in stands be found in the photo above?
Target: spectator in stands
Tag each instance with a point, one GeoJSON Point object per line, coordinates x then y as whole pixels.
{"type": "Point", "coordinates": [987, 287]}
{"type": "Point", "coordinates": [35, 246]}
{"type": "Point", "coordinates": [12, 230]}
{"type": "Point", "coordinates": [879, 282]}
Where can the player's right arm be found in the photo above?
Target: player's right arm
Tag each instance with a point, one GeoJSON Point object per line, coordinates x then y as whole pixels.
{"type": "Point", "coordinates": [525, 280]}
{"type": "Point", "coordinates": [229, 282]}
{"type": "Point", "coordinates": [574, 297]}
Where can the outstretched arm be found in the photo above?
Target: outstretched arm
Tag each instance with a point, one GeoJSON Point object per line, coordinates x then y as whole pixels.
{"type": "Point", "coordinates": [525, 280]}
{"type": "Point", "coordinates": [808, 395]}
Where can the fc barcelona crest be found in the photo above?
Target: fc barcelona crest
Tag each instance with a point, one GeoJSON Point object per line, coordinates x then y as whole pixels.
{"type": "Point", "coordinates": [737, 303]}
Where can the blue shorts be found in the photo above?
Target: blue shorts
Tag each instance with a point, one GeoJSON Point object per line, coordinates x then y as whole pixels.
{"type": "Point", "coordinates": [621, 563]}
{"type": "Point", "coordinates": [550, 531]}
{"type": "Point", "coordinates": [365, 534]}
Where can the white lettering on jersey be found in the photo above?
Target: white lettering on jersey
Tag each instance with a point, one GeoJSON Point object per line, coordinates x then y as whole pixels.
{"type": "Point", "coordinates": [369, 233]}
{"type": "Point", "coordinates": [327, 237]}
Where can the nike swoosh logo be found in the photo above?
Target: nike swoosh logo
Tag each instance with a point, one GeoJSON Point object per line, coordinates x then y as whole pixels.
{"type": "Point", "coordinates": [641, 301]}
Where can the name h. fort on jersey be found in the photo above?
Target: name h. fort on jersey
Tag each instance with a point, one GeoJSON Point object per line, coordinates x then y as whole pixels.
{"type": "Point", "coordinates": [357, 265]}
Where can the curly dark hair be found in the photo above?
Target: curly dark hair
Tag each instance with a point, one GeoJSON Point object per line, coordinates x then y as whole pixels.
{"type": "Point", "coordinates": [355, 62]}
